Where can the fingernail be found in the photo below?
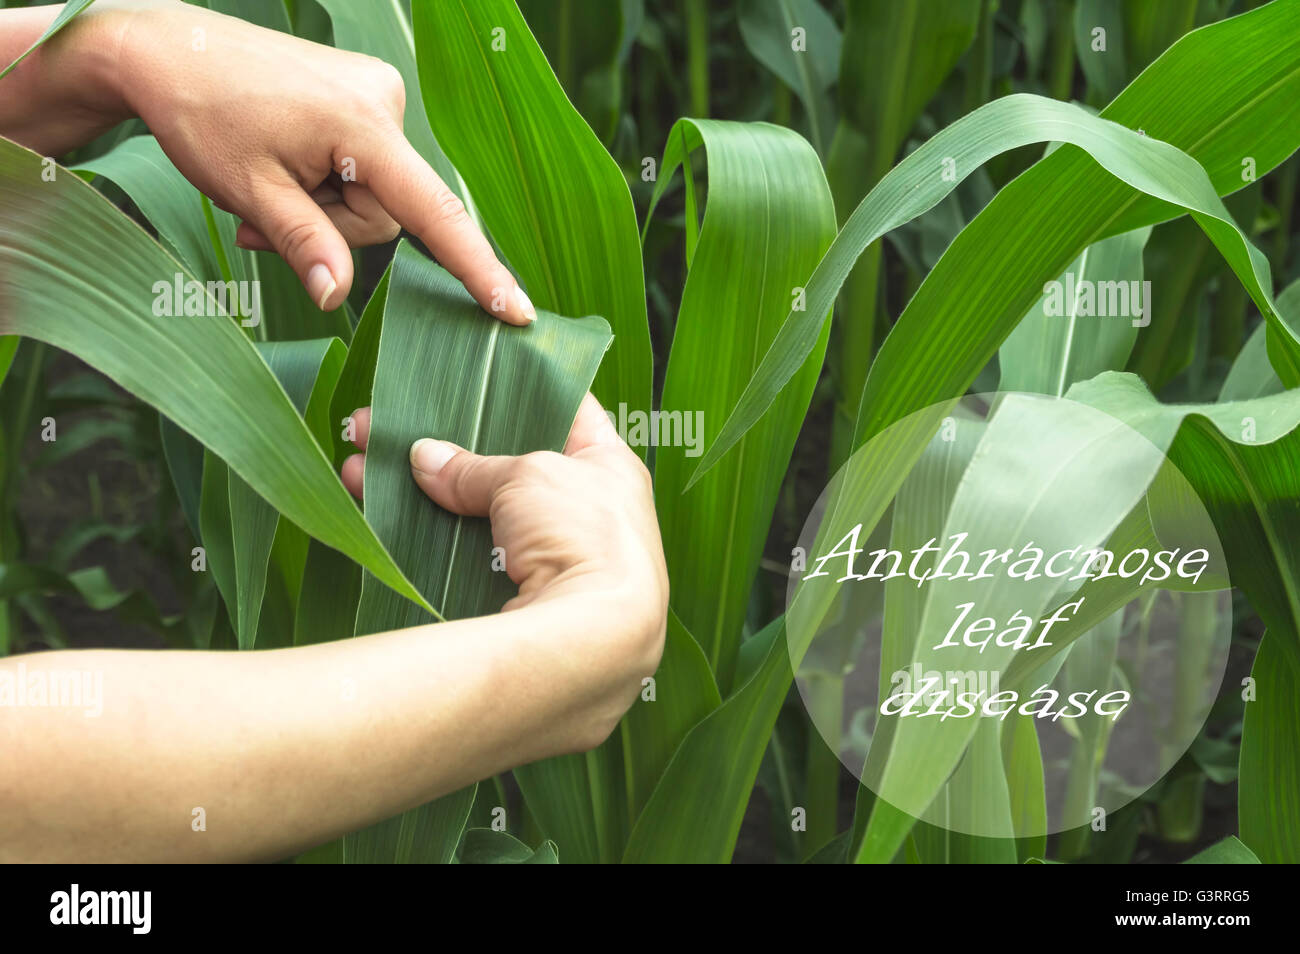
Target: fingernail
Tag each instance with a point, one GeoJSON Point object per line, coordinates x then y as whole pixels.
{"type": "Point", "coordinates": [430, 456]}
{"type": "Point", "coordinates": [525, 304]}
{"type": "Point", "coordinates": [320, 285]}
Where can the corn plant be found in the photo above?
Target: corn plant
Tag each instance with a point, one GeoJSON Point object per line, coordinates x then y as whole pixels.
{"type": "Point", "coordinates": [874, 252]}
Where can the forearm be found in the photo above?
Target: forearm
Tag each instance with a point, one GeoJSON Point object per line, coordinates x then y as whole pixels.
{"type": "Point", "coordinates": [282, 749]}
{"type": "Point", "coordinates": [68, 90]}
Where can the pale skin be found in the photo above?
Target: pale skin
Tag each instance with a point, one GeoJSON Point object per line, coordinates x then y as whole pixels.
{"type": "Point", "coordinates": [285, 749]}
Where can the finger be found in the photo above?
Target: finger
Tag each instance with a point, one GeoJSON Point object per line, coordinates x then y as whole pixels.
{"type": "Point", "coordinates": [250, 238]}
{"type": "Point", "coordinates": [414, 195]}
{"type": "Point", "coordinates": [305, 238]}
{"type": "Point", "coordinates": [352, 473]}
{"type": "Point", "coordinates": [456, 479]}
{"type": "Point", "coordinates": [591, 426]}
{"type": "Point", "coordinates": [355, 212]}
{"type": "Point", "coordinates": [360, 427]}
{"type": "Point", "coordinates": [361, 217]}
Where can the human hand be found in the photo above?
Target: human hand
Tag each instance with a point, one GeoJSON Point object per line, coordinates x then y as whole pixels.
{"type": "Point", "coordinates": [580, 536]}
{"type": "Point", "coordinates": [265, 124]}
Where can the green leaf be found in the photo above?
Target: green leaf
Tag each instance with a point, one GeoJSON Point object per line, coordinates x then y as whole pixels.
{"type": "Point", "coordinates": [903, 52]}
{"type": "Point", "coordinates": [1135, 34]}
{"type": "Point", "coordinates": [1268, 786]}
{"type": "Point", "coordinates": [92, 585]}
{"type": "Point", "coordinates": [305, 369]}
{"type": "Point", "coordinates": [216, 387]}
{"type": "Point", "coordinates": [1024, 764]}
{"type": "Point", "coordinates": [767, 27]}
{"type": "Point", "coordinates": [552, 198]}
{"type": "Point", "coordinates": [1180, 261]}
{"type": "Point", "coordinates": [184, 458]}
{"type": "Point", "coordinates": [8, 347]}
{"type": "Point", "coordinates": [1246, 485]}
{"type": "Point", "coordinates": [447, 371]}
{"type": "Point", "coordinates": [203, 238]}
{"type": "Point", "coordinates": [327, 599]}
{"type": "Point", "coordinates": [1251, 374]}
{"type": "Point", "coordinates": [695, 812]}
{"type": "Point", "coordinates": [358, 376]}
{"type": "Point", "coordinates": [1241, 460]}
{"type": "Point", "coordinates": [586, 43]}
{"type": "Point", "coordinates": [1069, 337]}
{"type": "Point", "coordinates": [473, 399]}
{"type": "Point", "coordinates": [484, 846]}
{"type": "Point", "coordinates": [1051, 490]}
{"type": "Point", "coordinates": [769, 217]}
{"type": "Point", "coordinates": [985, 284]}
{"type": "Point", "coordinates": [420, 837]}
{"type": "Point", "coordinates": [1230, 851]}
{"type": "Point", "coordinates": [1101, 54]}
{"type": "Point", "coordinates": [215, 530]}
{"type": "Point", "coordinates": [685, 693]}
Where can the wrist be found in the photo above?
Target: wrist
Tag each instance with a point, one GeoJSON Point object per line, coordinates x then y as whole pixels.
{"type": "Point", "coordinates": [72, 82]}
{"type": "Point", "coordinates": [97, 44]}
{"type": "Point", "coordinates": [596, 644]}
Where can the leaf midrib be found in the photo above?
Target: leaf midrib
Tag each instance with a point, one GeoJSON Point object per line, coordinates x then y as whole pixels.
{"type": "Point", "coordinates": [480, 405]}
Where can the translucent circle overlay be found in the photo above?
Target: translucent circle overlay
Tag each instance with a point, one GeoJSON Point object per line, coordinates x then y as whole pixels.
{"type": "Point", "coordinates": [1009, 615]}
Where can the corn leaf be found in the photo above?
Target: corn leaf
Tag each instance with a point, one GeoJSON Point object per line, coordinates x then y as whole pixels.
{"type": "Point", "coordinates": [485, 846]}
{"type": "Point", "coordinates": [272, 14]}
{"type": "Point", "coordinates": [769, 216]}
{"type": "Point", "coordinates": [1238, 458]}
{"type": "Point", "coordinates": [695, 811]}
{"type": "Point", "coordinates": [551, 197]}
{"type": "Point", "coordinates": [8, 348]}
{"type": "Point", "coordinates": [984, 284]}
{"type": "Point", "coordinates": [902, 53]}
{"type": "Point", "coordinates": [587, 43]}
{"type": "Point", "coordinates": [444, 370]}
{"type": "Point", "coordinates": [427, 835]}
{"type": "Point", "coordinates": [1051, 490]}
{"type": "Point", "coordinates": [215, 530]}
{"type": "Point", "coordinates": [1134, 35]}
{"type": "Point", "coordinates": [327, 597]}
{"type": "Point", "coordinates": [1251, 374]}
{"type": "Point", "coordinates": [1065, 338]}
{"type": "Point", "coordinates": [184, 459]}
{"type": "Point", "coordinates": [684, 693]}
{"type": "Point", "coordinates": [305, 369]}
{"type": "Point", "coordinates": [357, 378]}
{"type": "Point", "coordinates": [809, 69]}
{"type": "Point", "coordinates": [1230, 851]}
{"type": "Point", "coordinates": [1024, 762]}
{"type": "Point", "coordinates": [203, 238]}
{"type": "Point", "coordinates": [217, 387]}
{"type": "Point", "coordinates": [1268, 786]}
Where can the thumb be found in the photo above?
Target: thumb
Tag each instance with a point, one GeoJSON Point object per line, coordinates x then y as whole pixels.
{"type": "Point", "coordinates": [307, 240]}
{"type": "Point", "coordinates": [458, 480]}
